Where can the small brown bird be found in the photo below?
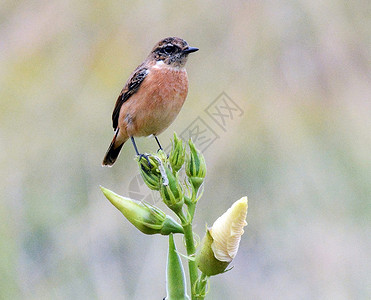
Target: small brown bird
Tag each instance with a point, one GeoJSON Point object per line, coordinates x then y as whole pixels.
{"type": "Point", "coordinates": [152, 97]}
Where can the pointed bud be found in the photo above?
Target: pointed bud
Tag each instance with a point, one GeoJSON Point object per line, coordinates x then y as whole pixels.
{"type": "Point", "coordinates": [162, 155]}
{"type": "Point", "coordinates": [145, 217]}
{"type": "Point", "coordinates": [172, 193]}
{"type": "Point", "coordinates": [177, 154]}
{"type": "Point", "coordinates": [150, 172]}
{"type": "Point", "coordinates": [175, 279]}
{"type": "Point", "coordinates": [220, 245]}
{"type": "Point", "coordinates": [195, 166]}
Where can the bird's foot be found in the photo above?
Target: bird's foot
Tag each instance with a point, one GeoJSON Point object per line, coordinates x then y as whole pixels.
{"type": "Point", "coordinates": [146, 156]}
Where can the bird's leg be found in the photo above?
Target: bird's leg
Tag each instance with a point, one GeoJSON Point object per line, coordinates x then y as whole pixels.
{"type": "Point", "coordinates": [162, 149]}
{"type": "Point", "coordinates": [139, 154]}
{"type": "Point", "coordinates": [135, 146]}
{"type": "Point", "coordinates": [158, 143]}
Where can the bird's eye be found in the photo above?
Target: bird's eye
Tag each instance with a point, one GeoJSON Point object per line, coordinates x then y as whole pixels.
{"type": "Point", "coordinates": [169, 49]}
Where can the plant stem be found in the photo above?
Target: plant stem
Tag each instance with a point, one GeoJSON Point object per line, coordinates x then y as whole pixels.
{"type": "Point", "coordinates": [193, 273]}
{"type": "Point", "coordinates": [201, 288]}
{"type": "Point", "coordinates": [191, 249]}
{"type": "Point", "coordinates": [191, 210]}
{"type": "Point", "coordinates": [192, 204]}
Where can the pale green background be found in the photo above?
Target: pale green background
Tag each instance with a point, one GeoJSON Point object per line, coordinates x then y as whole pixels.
{"type": "Point", "coordinates": [301, 72]}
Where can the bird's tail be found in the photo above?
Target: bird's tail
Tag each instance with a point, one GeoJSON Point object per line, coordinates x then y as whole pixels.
{"type": "Point", "coordinates": [113, 151]}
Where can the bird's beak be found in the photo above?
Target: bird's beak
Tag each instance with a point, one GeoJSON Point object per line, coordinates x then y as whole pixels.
{"type": "Point", "coordinates": [190, 50]}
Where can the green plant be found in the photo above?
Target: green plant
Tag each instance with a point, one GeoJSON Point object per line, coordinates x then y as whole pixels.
{"type": "Point", "coordinates": [220, 244]}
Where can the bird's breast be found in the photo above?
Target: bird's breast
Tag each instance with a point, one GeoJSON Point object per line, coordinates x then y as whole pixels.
{"type": "Point", "coordinates": [158, 101]}
{"type": "Point", "coordinates": [168, 82]}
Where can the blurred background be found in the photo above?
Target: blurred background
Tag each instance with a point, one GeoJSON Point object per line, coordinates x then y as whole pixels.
{"type": "Point", "coordinates": [299, 148]}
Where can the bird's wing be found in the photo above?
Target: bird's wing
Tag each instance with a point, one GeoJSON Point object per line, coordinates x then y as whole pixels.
{"type": "Point", "coordinates": [130, 88]}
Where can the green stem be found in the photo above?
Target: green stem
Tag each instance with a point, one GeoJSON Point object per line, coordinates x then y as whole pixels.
{"type": "Point", "coordinates": [201, 287]}
{"type": "Point", "coordinates": [192, 204]}
{"type": "Point", "coordinates": [191, 209]}
{"type": "Point", "coordinates": [191, 249]}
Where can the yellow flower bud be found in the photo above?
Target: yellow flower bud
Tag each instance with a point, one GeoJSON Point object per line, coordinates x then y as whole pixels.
{"type": "Point", "coordinates": [220, 245]}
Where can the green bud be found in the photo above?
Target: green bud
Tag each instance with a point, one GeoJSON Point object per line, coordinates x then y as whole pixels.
{"type": "Point", "coordinates": [177, 154]}
{"type": "Point", "coordinates": [150, 173]}
{"type": "Point", "coordinates": [175, 279]}
{"type": "Point", "coordinates": [162, 155]}
{"type": "Point", "coordinates": [172, 193]}
{"type": "Point", "coordinates": [206, 260]}
{"type": "Point", "coordinates": [195, 166]}
{"type": "Point", "coordinates": [145, 217]}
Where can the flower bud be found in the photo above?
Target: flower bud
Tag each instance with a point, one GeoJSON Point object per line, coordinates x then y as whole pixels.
{"type": "Point", "coordinates": [145, 217]}
{"type": "Point", "coordinates": [175, 279]}
{"type": "Point", "coordinates": [177, 154]}
{"type": "Point", "coordinates": [220, 245]}
{"type": "Point", "coordinates": [162, 155]}
{"type": "Point", "coordinates": [195, 166]}
{"type": "Point", "coordinates": [150, 173]}
{"type": "Point", "coordinates": [172, 193]}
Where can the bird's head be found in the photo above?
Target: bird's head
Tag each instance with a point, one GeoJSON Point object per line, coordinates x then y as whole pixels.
{"type": "Point", "coordinates": [172, 51]}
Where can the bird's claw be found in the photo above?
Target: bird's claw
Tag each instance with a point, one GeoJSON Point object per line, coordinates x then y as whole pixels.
{"type": "Point", "coordinates": [146, 157]}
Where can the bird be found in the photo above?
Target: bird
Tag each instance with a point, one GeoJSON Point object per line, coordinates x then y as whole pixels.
{"type": "Point", "coordinates": [152, 96]}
